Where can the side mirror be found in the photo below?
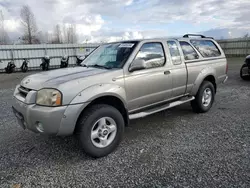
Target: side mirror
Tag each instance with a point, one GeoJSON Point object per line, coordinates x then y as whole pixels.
{"type": "Point", "coordinates": [137, 64]}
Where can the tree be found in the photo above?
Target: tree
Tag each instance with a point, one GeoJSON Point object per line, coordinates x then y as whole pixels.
{"type": "Point", "coordinates": [57, 35]}
{"type": "Point", "coordinates": [64, 39]}
{"type": "Point", "coordinates": [43, 37]}
{"type": "Point", "coordinates": [69, 33]}
{"type": "Point", "coordinates": [47, 37]}
{"type": "Point", "coordinates": [4, 38]}
{"type": "Point", "coordinates": [72, 37]}
{"type": "Point", "coordinates": [246, 36]}
{"type": "Point", "coordinates": [29, 23]}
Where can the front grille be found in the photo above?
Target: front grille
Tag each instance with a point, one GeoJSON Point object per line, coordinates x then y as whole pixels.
{"type": "Point", "coordinates": [23, 91]}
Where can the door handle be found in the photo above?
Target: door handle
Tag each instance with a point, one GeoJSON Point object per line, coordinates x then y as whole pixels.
{"type": "Point", "coordinates": [167, 72]}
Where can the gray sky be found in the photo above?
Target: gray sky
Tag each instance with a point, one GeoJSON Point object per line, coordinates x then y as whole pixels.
{"type": "Point", "coordinates": [127, 19]}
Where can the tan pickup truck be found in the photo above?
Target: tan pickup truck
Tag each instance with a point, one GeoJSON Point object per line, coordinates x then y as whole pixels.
{"type": "Point", "coordinates": [118, 82]}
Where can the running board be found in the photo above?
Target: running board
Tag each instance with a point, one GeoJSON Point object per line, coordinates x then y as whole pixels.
{"type": "Point", "coordinates": [161, 108]}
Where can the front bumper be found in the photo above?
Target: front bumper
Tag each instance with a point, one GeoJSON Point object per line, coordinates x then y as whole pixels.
{"type": "Point", "coordinates": [31, 116]}
{"type": "Point", "coordinates": [47, 120]}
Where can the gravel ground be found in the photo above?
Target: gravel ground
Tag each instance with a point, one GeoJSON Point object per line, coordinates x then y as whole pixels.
{"type": "Point", "coordinates": [174, 148]}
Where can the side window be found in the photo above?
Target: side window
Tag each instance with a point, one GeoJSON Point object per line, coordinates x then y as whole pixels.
{"type": "Point", "coordinates": [153, 54]}
{"type": "Point", "coordinates": [188, 51]}
{"type": "Point", "coordinates": [206, 47]}
{"type": "Point", "coordinates": [174, 52]}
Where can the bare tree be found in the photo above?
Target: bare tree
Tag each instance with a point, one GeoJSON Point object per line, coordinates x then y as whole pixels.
{"type": "Point", "coordinates": [69, 33]}
{"type": "Point", "coordinates": [57, 35]}
{"type": "Point", "coordinates": [64, 37]}
{"type": "Point", "coordinates": [29, 24]}
{"type": "Point", "coordinates": [4, 38]}
{"type": "Point", "coordinates": [246, 36]}
{"type": "Point", "coordinates": [47, 37]}
{"type": "Point", "coordinates": [43, 37]}
{"type": "Point", "coordinates": [75, 36]}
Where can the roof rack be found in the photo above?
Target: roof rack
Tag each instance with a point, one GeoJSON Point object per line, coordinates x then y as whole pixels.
{"type": "Point", "coordinates": [196, 35]}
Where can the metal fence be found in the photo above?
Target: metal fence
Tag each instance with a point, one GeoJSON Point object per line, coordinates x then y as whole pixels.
{"type": "Point", "coordinates": [34, 53]}
{"type": "Point", "coordinates": [235, 47]}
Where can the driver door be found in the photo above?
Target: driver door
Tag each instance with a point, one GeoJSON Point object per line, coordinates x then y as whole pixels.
{"type": "Point", "coordinates": [152, 84]}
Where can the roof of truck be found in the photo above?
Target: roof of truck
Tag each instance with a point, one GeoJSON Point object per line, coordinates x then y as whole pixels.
{"type": "Point", "coordinates": [185, 37]}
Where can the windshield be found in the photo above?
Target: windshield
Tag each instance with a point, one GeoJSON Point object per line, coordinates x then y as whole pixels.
{"type": "Point", "coordinates": [110, 55]}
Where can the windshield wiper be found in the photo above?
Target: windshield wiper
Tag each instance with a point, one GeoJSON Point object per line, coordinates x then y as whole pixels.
{"type": "Point", "coordinates": [100, 66]}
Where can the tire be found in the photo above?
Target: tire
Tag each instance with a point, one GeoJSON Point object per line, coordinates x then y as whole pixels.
{"type": "Point", "coordinates": [198, 105]}
{"type": "Point", "coordinates": [43, 66]}
{"type": "Point", "coordinates": [46, 67]}
{"type": "Point", "coordinates": [87, 124]}
{"type": "Point", "coordinates": [241, 73]}
{"type": "Point", "coordinates": [7, 70]}
{"type": "Point", "coordinates": [24, 68]}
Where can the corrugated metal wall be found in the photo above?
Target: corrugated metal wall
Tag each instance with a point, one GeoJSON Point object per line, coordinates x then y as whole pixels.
{"type": "Point", "coordinates": [235, 47]}
{"type": "Point", "coordinates": [231, 47]}
{"type": "Point", "coordinates": [35, 52]}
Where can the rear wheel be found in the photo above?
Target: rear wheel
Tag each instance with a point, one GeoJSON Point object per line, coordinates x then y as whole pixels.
{"type": "Point", "coordinates": [100, 130]}
{"type": "Point", "coordinates": [204, 98]}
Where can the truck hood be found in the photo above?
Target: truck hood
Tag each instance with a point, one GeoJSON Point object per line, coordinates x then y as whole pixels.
{"type": "Point", "coordinates": [56, 77]}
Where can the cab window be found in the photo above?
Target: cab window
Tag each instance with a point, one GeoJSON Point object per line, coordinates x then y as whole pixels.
{"type": "Point", "coordinates": [188, 51]}
{"type": "Point", "coordinates": [206, 47]}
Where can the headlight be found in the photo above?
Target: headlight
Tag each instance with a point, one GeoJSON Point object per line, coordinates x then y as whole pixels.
{"type": "Point", "coordinates": [49, 97]}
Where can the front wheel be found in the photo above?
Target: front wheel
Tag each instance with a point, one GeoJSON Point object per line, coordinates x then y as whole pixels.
{"type": "Point", "coordinates": [100, 130]}
{"type": "Point", "coordinates": [244, 72]}
{"type": "Point", "coordinates": [204, 98]}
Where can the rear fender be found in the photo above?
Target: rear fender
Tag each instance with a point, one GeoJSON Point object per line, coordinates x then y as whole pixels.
{"type": "Point", "coordinates": [209, 71]}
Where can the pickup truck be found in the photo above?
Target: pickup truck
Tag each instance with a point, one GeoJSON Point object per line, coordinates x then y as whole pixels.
{"type": "Point", "coordinates": [119, 82]}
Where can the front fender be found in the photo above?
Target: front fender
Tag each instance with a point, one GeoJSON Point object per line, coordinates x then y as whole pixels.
{"type": "Point", "coordinates": [209, 71]}
{"type": "Point", "coordinates": [83, 99]}
{"type": "Point", "coordinates": [99, 90]}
